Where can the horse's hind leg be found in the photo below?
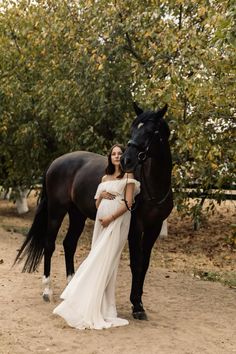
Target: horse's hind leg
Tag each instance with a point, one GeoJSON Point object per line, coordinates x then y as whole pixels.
{"type": "Point", "coordinates": [76, 226]}
{"type": "Point", "coordinates": [55, 219]}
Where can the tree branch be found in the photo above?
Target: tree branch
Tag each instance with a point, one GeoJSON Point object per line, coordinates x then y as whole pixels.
{"type": "Point", "coordinates": [180, 16]}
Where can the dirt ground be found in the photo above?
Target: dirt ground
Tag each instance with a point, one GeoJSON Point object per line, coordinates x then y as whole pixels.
{"type": "Point", "coordinates": [187, 314]}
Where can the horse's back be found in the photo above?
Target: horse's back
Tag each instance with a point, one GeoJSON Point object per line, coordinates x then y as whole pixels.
{"type": "Point", "coordinates": [73, 178]}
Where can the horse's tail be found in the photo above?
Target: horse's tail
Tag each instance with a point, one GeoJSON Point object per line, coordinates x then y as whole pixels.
{"type": "Point", "coordinates": [33, 246]}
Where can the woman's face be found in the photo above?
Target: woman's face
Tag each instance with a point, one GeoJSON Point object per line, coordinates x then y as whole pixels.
{"type": "Point", "coordinates": [115, 155]}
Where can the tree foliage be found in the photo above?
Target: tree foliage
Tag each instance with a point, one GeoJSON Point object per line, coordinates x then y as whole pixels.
{"type": "Point", "coordinates": [70, 70]}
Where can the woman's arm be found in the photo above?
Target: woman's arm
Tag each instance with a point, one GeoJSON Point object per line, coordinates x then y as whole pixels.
{"type": "Point", "coordinates": [129, 200]}
{"type": "Point", "coordinates": [129, 195]}
{"type": "Point", "coordinates": [98, 201]}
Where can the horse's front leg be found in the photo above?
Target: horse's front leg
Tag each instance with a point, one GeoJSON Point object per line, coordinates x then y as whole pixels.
{"type": "Point", "coordinates": [150, 236]}
{"type": "Point", "coordinates": [140, 246]}
{"type": "Point", "coordinates": [135, 249]}
{"type": "Point", "coordinates": [54, 224]}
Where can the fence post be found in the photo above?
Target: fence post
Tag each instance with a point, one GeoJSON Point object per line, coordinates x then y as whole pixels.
{"type": "Point", "coordinates": [21, 202]}
{"type": "Point", "coordinates": [164, 229]}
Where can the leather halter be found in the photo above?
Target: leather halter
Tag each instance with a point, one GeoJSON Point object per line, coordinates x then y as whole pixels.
{"type": "Point", "coordinates": [142, 157]}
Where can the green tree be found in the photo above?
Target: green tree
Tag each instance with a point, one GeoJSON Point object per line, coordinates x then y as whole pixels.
{"type": "Point", "coordinates": [70, 70]}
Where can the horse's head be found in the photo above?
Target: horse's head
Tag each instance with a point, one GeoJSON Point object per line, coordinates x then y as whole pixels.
{"type": "Point", "coordinates": [148, 132]}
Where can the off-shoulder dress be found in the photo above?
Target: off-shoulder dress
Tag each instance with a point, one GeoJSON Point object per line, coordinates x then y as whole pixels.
{"type": "Point", "coordinates": [89, 298]}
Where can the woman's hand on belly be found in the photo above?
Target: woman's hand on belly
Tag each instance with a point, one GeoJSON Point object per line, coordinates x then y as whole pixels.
{"type": "Point", "coordinates": [107, 195]}
{"type": "Point", "coordinates": [106, 220]}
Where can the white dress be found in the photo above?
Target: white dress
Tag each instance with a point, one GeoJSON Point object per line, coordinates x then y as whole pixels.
{"type": "Point", "coordinates": [89, 298]}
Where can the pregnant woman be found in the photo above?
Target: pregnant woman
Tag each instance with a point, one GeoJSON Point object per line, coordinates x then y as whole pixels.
{"type": "Point", "coordinates": [89, 298]}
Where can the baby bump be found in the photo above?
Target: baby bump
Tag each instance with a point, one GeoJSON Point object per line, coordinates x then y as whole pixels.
{"type": "Point", "coordinates": [108, 207]}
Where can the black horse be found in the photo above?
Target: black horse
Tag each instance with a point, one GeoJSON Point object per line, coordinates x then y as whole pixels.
{"type": "Point", "coordinates": [70, 185]}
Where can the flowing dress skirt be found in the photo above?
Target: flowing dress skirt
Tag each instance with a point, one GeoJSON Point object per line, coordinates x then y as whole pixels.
{"type": "Point", "coordinates": [89, 298]}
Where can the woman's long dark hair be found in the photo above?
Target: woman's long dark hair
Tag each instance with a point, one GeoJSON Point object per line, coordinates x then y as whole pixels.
{"type": "Point", "coordinates": [110, 169]}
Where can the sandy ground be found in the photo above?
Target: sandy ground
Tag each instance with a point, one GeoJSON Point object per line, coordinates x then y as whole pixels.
{"type": "Point", "coordinates": [186, 314]}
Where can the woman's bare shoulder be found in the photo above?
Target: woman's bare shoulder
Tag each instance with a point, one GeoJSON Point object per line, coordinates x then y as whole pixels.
{"type": "Point", "coordinates": [104, 178]}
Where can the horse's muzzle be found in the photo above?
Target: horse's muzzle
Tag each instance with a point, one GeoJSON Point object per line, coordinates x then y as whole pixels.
{"type": "Point", "coordinates": [127, 164]}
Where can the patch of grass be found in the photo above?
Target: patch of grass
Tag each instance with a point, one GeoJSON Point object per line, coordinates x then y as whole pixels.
{"type": "Point", "coordinates": [226, 278]}
{"type": "Point", "coordinates": [23, 230]}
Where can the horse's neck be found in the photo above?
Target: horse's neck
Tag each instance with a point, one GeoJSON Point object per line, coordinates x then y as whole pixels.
{"type": "Point", "coordinates": [157, 170]}
{"type": "Point", "coordinates": [157, 174]}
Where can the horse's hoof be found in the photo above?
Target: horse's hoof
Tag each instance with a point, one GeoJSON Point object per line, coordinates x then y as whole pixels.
{"type": "Point", "coordinates": [47, 295]}
{"type": "Point", "coordinates": [140, 315]}
{"type": "Point", "coordinates": [46, 298]}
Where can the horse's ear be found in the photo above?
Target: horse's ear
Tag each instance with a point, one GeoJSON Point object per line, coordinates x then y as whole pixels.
{"type": "Point", "coordinates": [161, 112]}
{"type": "Point", "coordinates": [138, 110]}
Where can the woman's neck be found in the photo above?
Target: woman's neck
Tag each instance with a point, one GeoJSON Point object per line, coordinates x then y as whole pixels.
{"type": "Point", "coordinates": [117, 171]}
{"type": "Point", "coordinates": [115, 174]}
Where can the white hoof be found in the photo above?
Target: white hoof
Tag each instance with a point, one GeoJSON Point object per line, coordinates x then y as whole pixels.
{"type": "Point", "coordinates": [47, 292]}
{"type": "Point", "coordinates": [69, 278]}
